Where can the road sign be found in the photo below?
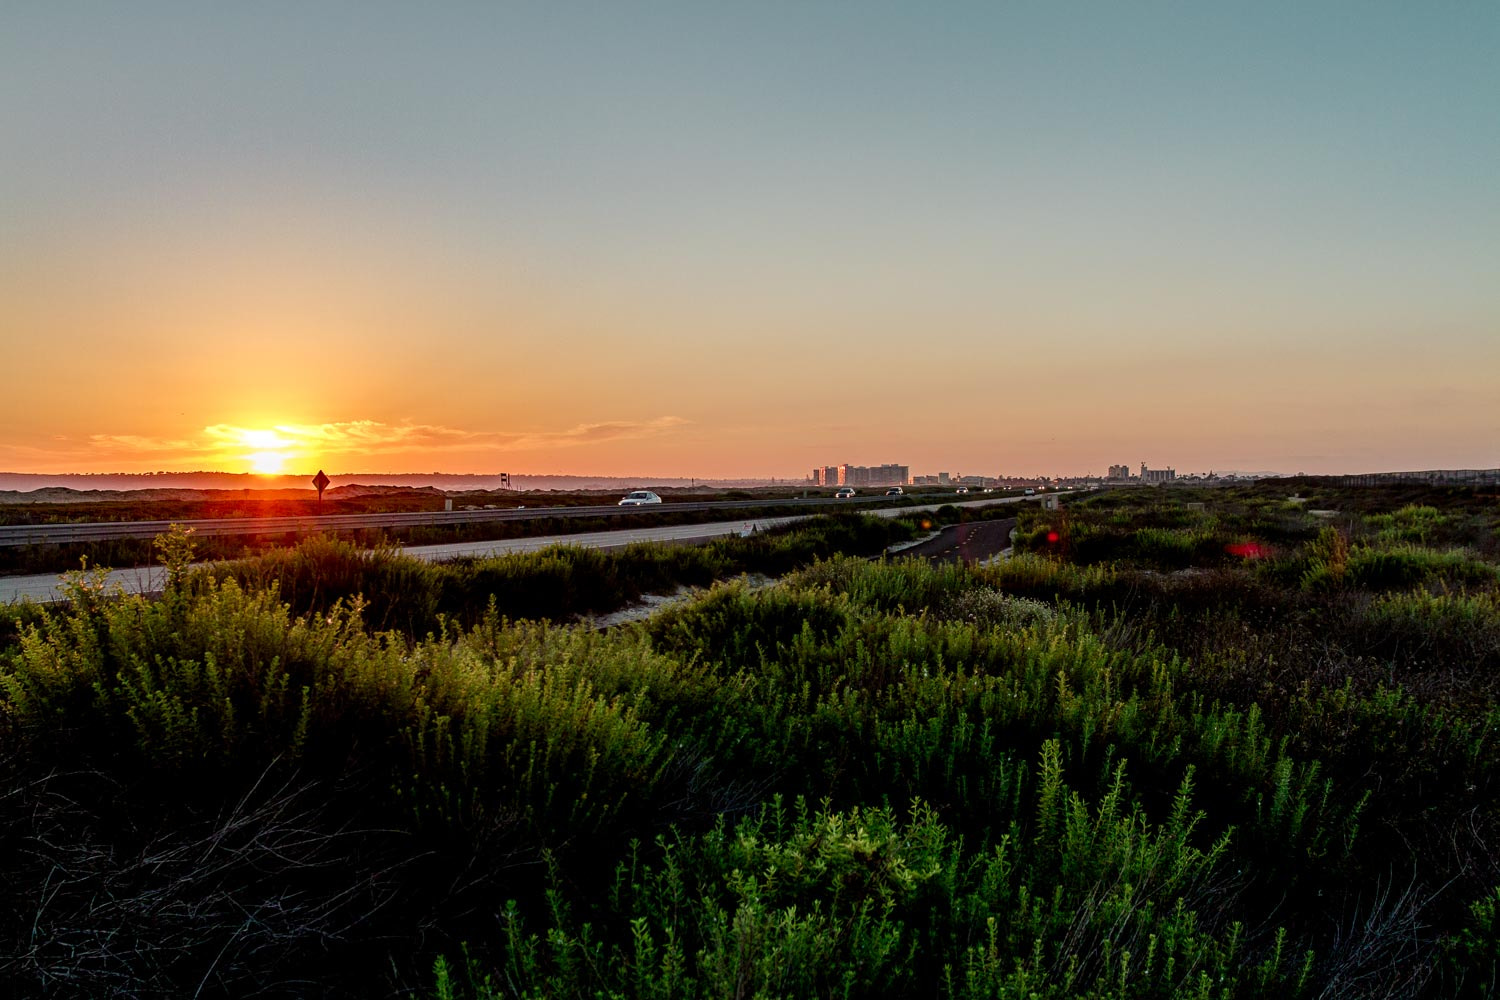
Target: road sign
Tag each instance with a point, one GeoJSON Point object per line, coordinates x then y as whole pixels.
{"type": "Point", "coordinates": [320, 483]}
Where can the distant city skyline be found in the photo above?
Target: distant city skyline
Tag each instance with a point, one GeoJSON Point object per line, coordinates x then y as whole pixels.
{"type": "Point", "coordinates": [844, 475]}
{"type": "Point", "coordinates": [839, 474]}
{"type": "Point", "coordinates": [727, 241]}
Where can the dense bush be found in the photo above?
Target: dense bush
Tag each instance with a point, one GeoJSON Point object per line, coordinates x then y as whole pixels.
{"type": "Point", "coordinates": [862, 903]}
{"type": "Point", "coordinates": [1269, 772]}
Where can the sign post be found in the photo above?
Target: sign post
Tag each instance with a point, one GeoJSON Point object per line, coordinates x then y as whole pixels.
{"type": "Point", "coordinates": [320, 483]}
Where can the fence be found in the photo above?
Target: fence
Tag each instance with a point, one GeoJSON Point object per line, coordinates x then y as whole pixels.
{"type": "Point", "coordinates": [1431, 477]}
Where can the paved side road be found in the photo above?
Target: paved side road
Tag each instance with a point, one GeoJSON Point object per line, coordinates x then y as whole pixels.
{"type": "Point", "coordinates": [973, 542]}
{"type": "Point", "coordinates": [150, 579]}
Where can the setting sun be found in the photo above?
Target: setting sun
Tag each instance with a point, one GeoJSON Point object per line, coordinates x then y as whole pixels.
{"type": "Point", "coordinates": [271, 448]}
{"type": "Point", "coordinates": [267, 463]}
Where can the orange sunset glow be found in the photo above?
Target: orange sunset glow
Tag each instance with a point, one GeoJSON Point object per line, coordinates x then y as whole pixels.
{"type": "Point", "coordinates": [271, 457]}
{"type": "Point", "coordinates": [676, 500]}
{"type": "Point", "coordinates": [268, 462]}
{"type": "Point", "coordinates": [1005, 242]}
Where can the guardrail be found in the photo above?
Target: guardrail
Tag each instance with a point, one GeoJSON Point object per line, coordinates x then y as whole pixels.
{"type": "Point", "coordinates": [12, 535]}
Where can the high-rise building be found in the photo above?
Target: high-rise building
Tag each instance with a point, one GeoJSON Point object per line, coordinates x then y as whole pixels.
{"type": "Point", "coordinates": [889, 474]}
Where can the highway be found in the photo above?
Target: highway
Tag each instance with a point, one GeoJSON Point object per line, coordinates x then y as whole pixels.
{"type": "Point", "coordinates": [96, 531]}
{"type": "Point", "coordinates": [149, 579]}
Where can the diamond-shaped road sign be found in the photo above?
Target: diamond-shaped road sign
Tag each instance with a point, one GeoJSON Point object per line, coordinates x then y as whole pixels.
{"type": "Point", "coordinates": [320, 483]}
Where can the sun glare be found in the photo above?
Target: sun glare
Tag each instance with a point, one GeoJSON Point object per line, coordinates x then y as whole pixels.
{"type": "Point", "coordinates": [262, 439]}
{"type": "Point", "coordinates": [267, 463]}
{"type": "Point", "coordinates": [269, 450]}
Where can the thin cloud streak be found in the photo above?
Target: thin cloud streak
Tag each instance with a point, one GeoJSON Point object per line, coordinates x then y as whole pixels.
{"type": "Point", "coordinates": [127, 443]}
{"type": "Point", "coordinates": [350, 440]}
{"type": "Point", "coordinates": [582, 434]}
{"type": "Point", "coordinates": [375, 437]}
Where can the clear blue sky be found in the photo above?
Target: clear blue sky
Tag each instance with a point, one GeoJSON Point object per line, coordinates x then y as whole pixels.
{"type": "Point", "coordinates": [680, 239]}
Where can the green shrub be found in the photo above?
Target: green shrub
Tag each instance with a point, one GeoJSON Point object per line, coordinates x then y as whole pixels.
{"type": "Point", "coordinates": [529, 736]}
{"type": "Point", "coordinates": [1445, 631]}
{"type": "Point", "coordinates": [15, 619]}
{"type": "Point", "coordinates": [1475, 950]}
{"type": "Point", "coordinates": [1176, 549]}
{"type": "Point", "coordinates": [217, 677]}
{"type": "Point", "coordinates": [907, 583]}
{"type": "Point", "coordinates": [396, 591]}
{"type": "Point", "coordinates": [1327, 560]}
{"type": "Point", "coordinates": [1407, 565]}
{"type": "Point", "coordinates": [1413, 523]}
{"type": "Point", "coordinates": [1094, 901]}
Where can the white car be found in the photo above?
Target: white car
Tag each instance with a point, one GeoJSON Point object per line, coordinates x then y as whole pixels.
{"type": "Point", "coordinates": [639, 498]}
{"type": "Point", "coordinates": [895, 491]}
{"type": "Point", "coordinates": [963, 489]}
{"type": "Point", "coordinates": [844, 493]}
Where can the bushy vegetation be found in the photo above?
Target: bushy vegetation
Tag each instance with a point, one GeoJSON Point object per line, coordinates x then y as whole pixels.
{"type": "Point", "coordinates": [559, 582]}
{"type": "Point", "coordinates": [1242, 756]}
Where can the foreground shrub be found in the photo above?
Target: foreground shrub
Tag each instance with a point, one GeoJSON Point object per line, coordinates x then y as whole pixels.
{"type": "Point", "coordinates": [1093, 901]}
{"type": "Point", "coordinates": [207, 755]}
{"type": "Point", "coordinates": [339, 804]}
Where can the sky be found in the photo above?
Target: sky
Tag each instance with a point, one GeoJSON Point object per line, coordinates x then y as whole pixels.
{"type": "Point", "coordinates": [726, 240]}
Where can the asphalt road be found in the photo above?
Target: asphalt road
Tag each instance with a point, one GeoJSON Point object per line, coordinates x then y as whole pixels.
{"type": "Point", "coordinates": [149, 579]}
{"type": "Point", "coordinates": [973, 542]}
